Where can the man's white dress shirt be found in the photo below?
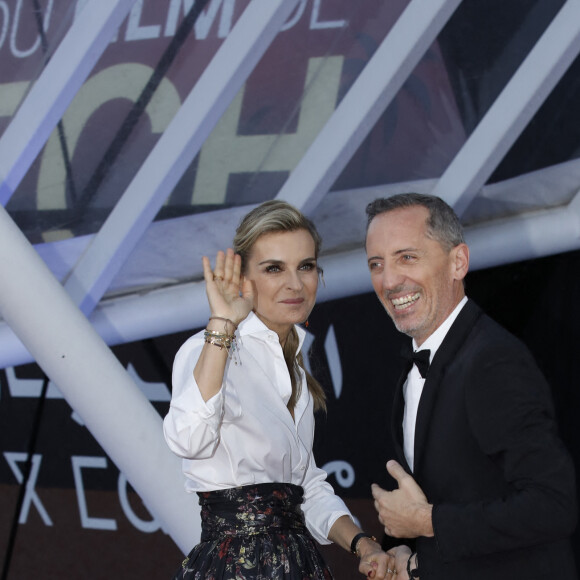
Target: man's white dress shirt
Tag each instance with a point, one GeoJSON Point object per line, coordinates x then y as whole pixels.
{"type": "Point", "coordinates": [413, 386]}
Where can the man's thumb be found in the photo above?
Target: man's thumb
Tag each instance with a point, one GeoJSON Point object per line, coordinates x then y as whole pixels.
{"type": "Point", "coordinates": [395, 470]}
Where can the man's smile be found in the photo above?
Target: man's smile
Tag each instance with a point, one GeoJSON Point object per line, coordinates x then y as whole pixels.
{"type": "Point", "coordinates": [405, 301]}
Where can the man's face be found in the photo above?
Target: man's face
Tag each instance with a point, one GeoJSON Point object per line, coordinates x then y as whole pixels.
{"type": "Point", "coordinates": [418, 282]}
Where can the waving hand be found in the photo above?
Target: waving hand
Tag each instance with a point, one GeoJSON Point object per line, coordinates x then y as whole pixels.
{"type": "Point", "coordinates": [229, 294]}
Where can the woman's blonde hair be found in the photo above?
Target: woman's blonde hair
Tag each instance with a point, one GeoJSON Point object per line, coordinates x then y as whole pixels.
{"type": "Point", "coordinates": [271, 217]}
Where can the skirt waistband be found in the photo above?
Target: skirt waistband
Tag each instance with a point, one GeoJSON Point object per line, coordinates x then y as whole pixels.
{"type": "Point", "coordinates": [251, 509]}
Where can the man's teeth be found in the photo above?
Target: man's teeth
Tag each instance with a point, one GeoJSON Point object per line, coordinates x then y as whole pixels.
{"type": "Point", "coordinates": [405, 301]}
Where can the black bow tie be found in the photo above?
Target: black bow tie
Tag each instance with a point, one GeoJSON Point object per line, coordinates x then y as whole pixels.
{"type": "Point", "coordinates": [420, 359]}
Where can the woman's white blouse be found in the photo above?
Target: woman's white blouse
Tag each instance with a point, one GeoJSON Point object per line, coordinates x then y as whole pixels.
{"type": "Point", "coordinates": [245, 434]}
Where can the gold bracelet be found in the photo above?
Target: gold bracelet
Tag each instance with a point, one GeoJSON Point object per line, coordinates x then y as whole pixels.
{"type": "Point", "coordinates": [217, 334]}
{"type": "Point", "coordinates": [219, 338]}
{"type": "Point", "coordinates": [356, 540]}
{"type": "Point", "coordinates": [221, 342]}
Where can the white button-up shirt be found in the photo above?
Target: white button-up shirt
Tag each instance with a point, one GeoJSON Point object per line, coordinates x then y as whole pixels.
{"type": "Point", "coordinates": [413, 387]}
{"type": "Point", "coordinates": [245, 434]}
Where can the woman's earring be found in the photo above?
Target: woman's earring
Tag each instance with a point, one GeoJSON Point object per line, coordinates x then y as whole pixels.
{"type": "Point", "coordinates": [307, 324]}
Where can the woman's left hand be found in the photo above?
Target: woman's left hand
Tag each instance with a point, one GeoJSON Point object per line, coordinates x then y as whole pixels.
{"type": "Point", "coordinates": [374, 562]}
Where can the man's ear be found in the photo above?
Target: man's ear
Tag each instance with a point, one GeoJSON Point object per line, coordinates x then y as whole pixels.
{"type": "Point", "coordinates": [460, 261]}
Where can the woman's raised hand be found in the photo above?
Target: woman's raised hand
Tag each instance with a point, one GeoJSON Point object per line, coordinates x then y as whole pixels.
{"type": "Point", "coordinates": [229, 294]}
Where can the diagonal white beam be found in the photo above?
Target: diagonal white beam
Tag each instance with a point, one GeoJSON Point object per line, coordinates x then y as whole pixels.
{"type": "Point", "coordinates": [367, 99]}
{"type": "Point", "coordinates": [512, 110]}
{"type": "Point", "coordinates": [55, 88]}
{"type": "Point", "coordinates": [93, 381]}
{"type": "Point", "coordinates": [176, 149]}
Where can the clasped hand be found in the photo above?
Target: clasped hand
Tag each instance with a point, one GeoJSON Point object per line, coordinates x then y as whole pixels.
{"type": "Point", "coordinates": [379, 565]}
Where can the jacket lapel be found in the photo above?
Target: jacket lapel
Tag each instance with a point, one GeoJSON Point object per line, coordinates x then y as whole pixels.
{"type": "Point", "coordinates": [445, 354]}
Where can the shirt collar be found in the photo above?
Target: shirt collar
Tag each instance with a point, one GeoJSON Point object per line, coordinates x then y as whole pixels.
{"type": "Point", "coordinates": [253, 325]}
{"type": "Point", "coordinates": [434, 341]}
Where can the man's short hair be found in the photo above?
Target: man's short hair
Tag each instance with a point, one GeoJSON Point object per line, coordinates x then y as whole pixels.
{"type": "Point", "coordinates": [443, 225]}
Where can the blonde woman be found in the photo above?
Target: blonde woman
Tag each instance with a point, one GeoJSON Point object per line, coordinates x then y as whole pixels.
{"type": "Point", "coordinates": [242, 414]}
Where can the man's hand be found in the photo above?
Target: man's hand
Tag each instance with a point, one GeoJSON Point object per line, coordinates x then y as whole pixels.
{"type": "Point", "coordinates": [401, 554]}
{"type": "Point", "coordinates": [404, 512]}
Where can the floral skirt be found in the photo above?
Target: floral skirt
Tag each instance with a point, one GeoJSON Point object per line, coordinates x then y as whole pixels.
{"type": "Point", "coordinates": [254, 532]}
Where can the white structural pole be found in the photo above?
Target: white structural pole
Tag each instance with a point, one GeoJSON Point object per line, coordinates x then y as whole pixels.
{"type": "Point", "coordinates": [527, 236]}
{"type": "Point", "coordinates": [94, 383]}
{"type": "Point", "coordinates": [184, 307]}
{"type": "Point", "coordinates": [512, 110]}
{"type": "Point", "coordinates": [176, 149]}
{"type": "Point", "coordinates": [57, 85]}
{"type": "Point", "coordinates": [367, 99]}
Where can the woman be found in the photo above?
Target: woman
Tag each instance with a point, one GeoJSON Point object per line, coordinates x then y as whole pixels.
{"type": "Point", "coordinates": [242, 414]}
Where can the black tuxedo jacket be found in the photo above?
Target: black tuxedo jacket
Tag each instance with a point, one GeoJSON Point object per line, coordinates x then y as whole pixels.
{"type": "Point", "coordinates": [489, 459]}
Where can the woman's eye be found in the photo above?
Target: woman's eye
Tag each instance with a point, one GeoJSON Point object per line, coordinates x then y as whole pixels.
{"type": "Point", "coordinates": [308, 266]}
{"type": "Point", "coordinates": [273, 268]}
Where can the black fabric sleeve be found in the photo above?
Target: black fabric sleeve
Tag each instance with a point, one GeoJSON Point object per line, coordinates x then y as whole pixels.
{"type": "Point", "coordinates": [510, 413]}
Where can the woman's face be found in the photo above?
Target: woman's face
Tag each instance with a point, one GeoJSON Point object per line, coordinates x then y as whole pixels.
{"type": "Point", "coordinates": [283, 271]}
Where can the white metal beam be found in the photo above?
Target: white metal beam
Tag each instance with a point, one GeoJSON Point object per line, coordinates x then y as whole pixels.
{"type": "Point", "coordinates": [183, 307]}
{"type": "Point", "coordinates": [525, 237]}
{"type": "Point", "coordinates": [55, 88]}
{"type": "Point", "coordinates": [512, 110]}
{"type": "Point", "coordinates": [176, 149]}
{"type": "Point", "coordinates": [93, 381]}
{"type": "Point", "coordinates": [367, 99]}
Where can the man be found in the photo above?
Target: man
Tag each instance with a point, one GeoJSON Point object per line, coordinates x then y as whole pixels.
{"type": "Point", "coordinates": [492, 490]}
